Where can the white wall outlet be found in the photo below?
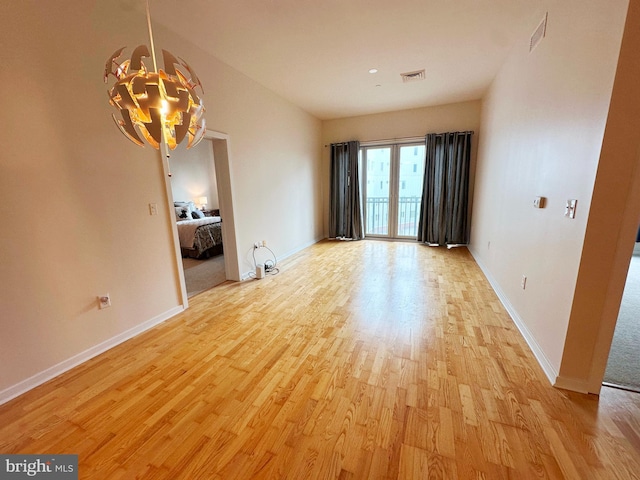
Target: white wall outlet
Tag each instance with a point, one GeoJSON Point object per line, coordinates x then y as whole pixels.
{"type": "Point", "coordinates": [264, 243]}
{"type": "Point", "coordinates": [104, 301]}
{"type": "Point", "coordinates": [153, 209]}
{"type": "Point", "coordinates": [523, 282]}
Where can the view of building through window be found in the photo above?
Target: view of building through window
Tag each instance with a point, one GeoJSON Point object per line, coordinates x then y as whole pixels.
{"type": "Point", "coordinates": [393, 189]}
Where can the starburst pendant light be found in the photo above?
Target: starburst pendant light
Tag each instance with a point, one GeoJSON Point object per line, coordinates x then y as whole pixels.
{"type": "Point", "coordinates": [159, 106]}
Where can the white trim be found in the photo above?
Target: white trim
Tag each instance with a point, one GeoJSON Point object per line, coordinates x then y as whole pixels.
{"type": "Point", "coordinates": [573, 384]}
{"type": "Point", "coordinates": [164, 160]}
{"type": "Point", "coordinates": [221, 145]}
{"type": "Point", "coordinates": [302, 247]}
{"type": "Point", "coordinates": [246, 275]}
{"type": "Point", "coordinates": [66, 365]}
{"type": "Point", "coordinates": [394, 141]}
{"type": "Point", "coordinates": [547, 367]}
{"type": "Point", "coordinates": [220, 151]}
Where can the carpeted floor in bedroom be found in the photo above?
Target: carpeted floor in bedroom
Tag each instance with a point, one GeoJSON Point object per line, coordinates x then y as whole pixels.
{"type": "Point", "coordinates": [623, 367]}
{"type": "Point", "coordinates": [201, 275]}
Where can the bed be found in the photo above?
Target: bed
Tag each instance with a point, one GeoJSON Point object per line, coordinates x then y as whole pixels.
{"type": "Point", "coordinates": [200, 236]}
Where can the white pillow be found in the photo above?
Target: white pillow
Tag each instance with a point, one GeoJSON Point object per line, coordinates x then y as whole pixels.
{"type": "Point", "coordinates": [183, 212]}
{"type": "Point", "coordinates": [197, 213]}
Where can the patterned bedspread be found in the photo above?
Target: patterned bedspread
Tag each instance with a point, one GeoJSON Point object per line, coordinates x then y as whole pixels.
{"type": "Point", "coordinates": [205, 238]}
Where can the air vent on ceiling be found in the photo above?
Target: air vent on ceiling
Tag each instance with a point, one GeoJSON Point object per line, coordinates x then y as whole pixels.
{"type": "Point", "coordinates": [539, 34]}
{"type": "Point", "coordinates": [413, 76]}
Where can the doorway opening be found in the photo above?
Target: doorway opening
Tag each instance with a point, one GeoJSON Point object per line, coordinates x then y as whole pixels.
{"type": "Point", "coordinates": [194, 185]}
{"type": "Point", "coordinates": [215, 178]}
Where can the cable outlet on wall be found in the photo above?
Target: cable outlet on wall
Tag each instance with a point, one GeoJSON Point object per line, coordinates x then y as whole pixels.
{"type": "Point", "coordinates": [104, 301]}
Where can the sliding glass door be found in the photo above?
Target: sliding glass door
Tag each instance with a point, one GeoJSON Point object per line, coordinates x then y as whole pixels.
{"type": "Point", "coordinates": [377, 173]}
{"type": "Point", "coordinates": [392, 189]}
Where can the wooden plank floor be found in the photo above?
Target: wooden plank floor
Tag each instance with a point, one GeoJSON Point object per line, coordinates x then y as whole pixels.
{"type": "Point", "coordinates": [360, 360]}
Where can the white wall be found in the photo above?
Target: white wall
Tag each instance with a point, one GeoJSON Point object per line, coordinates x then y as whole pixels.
{"type": "Point", "coordinates": [275, 157]}
{"type": "Point", "coordinates": [543, 122]}
{"type": "Point", "coordinates": [406, 123]}
{"type": "Point", "coordinates": [78, 191]}
{"type": "Point", "coordinates": [194, 175]}
{"type": "Point", "coordinates": [612, 226]}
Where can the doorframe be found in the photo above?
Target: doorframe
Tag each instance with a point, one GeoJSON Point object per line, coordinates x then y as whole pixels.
{"type": "Point", "coordinates": [364, 149]}
{"type": "Point", "coordinates": [222, 165]}
{"type": "Point", "coordinates": [224, 181]}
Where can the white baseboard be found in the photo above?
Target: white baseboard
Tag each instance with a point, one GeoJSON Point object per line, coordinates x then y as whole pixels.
{"type": "Point", "coordinates": [573, 384]}
{"type": "Point", "coordinates": [302, 247]}
{"type": "Point", "coordinates": [51, 372]}
{"type": "Point", "coordinates": [247, 275]}
{"type": "Point", "coordinates": [547, 367]}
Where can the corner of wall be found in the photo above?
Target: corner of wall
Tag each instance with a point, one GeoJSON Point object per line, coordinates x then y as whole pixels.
{"type": "Point", "coordinates": [38, 379]}
{"type": "Point", "coordinates": [549, 370]}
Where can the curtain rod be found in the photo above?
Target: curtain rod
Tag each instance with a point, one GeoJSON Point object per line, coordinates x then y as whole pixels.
{"type": "Point", "coordinates": [418, 138]}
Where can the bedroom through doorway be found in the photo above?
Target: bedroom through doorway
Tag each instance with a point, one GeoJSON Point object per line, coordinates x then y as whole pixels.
{"type": "Point", "coordinates": [194, 187]}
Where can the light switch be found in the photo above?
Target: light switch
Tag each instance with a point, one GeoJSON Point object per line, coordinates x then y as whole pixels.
{"type": "Point", "coordinates": [570, 208]}
{"type": "Point", "coordinates": [153, 209]}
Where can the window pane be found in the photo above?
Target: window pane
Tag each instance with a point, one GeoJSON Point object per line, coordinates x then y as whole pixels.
{"type": "Point", "coordinates": [378, 170]}
{"type": "Point", "coordinates": [410, 177]}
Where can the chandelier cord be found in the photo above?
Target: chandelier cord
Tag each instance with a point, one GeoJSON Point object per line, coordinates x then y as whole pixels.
{"type": "Point", "coordinates": [153, 48]}
{"type": "Point", "coordinates": [155, 70]}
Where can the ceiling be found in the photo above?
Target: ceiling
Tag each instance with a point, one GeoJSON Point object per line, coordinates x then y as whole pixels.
{"type": "Point", "coordinates": [317, 53]}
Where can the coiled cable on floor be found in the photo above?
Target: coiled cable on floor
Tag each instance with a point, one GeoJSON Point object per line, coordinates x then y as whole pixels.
{"type": "Point", "coordinates": [270, 266]}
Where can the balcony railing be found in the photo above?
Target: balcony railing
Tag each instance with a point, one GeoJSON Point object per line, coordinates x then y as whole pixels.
{"type": "Point", "coordinates": [377, 216]}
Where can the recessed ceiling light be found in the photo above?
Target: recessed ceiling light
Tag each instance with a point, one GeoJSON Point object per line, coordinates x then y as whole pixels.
{"type": "Point", "coordinates": [373, 70]}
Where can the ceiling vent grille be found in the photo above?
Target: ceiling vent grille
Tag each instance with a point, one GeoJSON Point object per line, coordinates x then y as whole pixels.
{"type": "Point", "coordinates": [413, 76]}
{"type": "Point", "coordinates": [539, 34]}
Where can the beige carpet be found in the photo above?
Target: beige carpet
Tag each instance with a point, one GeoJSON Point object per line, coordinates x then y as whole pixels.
{"type": "Point", "coordinates": [623, 368]}
{"type": "Point", "coordinates": [201, 275]}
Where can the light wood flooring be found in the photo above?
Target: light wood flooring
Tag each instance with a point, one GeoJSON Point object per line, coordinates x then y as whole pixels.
{"type": "Point", "coordinates": [360, 360]}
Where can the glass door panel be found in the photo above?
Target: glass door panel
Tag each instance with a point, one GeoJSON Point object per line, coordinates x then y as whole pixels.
{"type": "Point", "coordinates": [377, 191]}
{"type": "Point", "coordinates": [410, 173]}
{"type": "Point", "coordinates": [392, 189]}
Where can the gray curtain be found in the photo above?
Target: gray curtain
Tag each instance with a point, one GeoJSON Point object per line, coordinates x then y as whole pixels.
{"type": "Point", "coordinates": [345, 213]}
{"type": "Point", "coordinates": [445, 192]}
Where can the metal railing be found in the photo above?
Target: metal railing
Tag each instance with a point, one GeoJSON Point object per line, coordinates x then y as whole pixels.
{"type": "Point", "coordinates": [377, 216]}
